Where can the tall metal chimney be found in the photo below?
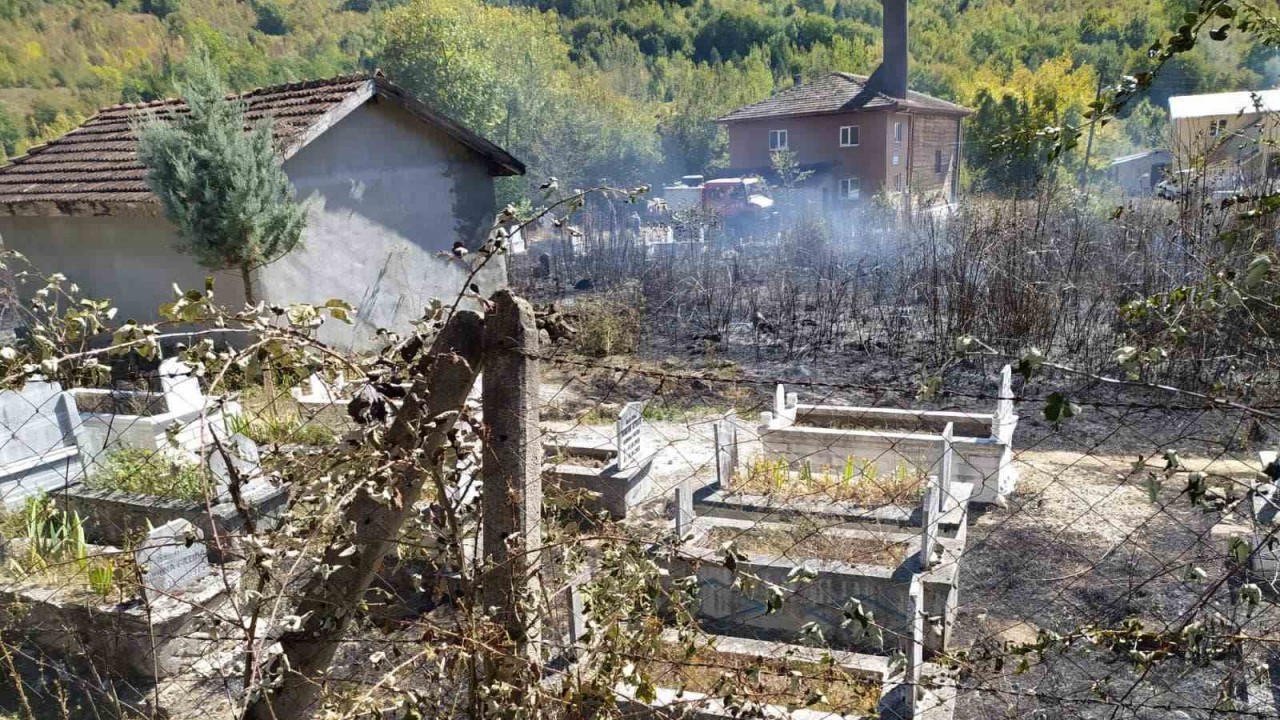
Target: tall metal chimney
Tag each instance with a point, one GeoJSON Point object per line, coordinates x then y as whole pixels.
{"type": "Point", "coordinates": [893, 70]}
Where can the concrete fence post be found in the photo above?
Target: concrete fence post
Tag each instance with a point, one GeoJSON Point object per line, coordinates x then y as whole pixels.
{"type": "Point", "coordinates": [511, 504]}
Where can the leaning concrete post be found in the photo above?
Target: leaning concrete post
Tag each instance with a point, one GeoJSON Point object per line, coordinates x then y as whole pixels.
{"type": "Point", "coordinates": [915, 646]}
{"type": "Point", "coordinates": [512, 470]}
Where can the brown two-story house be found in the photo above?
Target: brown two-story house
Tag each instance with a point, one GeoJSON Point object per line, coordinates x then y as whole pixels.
{"type": "Point", "coordinates": [858, 136]}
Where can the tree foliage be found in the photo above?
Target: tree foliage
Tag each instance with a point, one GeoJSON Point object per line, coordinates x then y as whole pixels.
{"type": "Point", "coordinates": [609, 89]}
{"type": "Point", "coordinates": [222, 187]}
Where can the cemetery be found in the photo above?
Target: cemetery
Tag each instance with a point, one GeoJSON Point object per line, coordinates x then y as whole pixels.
{"type": "Point", "coordinates": [829, 435]}
{"type": "Point", "coordinates": [853, 685]}
{"type": "Point", "coordinates": [113, 514]}
{"type": "Point", "coordinates": [616, 475]}
{"type": "Point", "coordinates": [114, 419]}
{"type": "Point", "coordinates": [1258, 542]}
{"type": "Point", "coordinates": [138, 613]}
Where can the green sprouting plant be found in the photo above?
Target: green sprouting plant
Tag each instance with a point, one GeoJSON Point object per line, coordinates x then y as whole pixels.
{"type": "Point", "coordinates": [149, 472]}
{"type": "Point", "coordinates": [52, 535]}
{"type": "Point", "coordinates": [270, 428]}
{"type": "Point", "coordinates": [102, 578]}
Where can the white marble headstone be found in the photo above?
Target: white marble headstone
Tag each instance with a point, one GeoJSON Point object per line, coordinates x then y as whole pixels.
{"type": "Point", "coordinates": [684, 508]}
{"type": "Point", "coordinates": [244, 456]}
{"type": "Point", "coordinates": [628, 434]}
{"type": "Point", "coordinates": [930, 514]}
{"type": "Point", "coordinates": [947, 474]}
{"type": "Point", "coordinates": [171, 559]}
{"type": "Point", "coordinates": [181, 387]}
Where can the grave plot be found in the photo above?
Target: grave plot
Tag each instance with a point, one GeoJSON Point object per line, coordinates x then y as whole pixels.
{"type": "Point", "coordinates": [137, 614]}
{"type": "Point", "coordinates": [38, 448]}
{"type": "Point", "coordinates": [121, 499]}
{"type": "Point", "coordinates": [111, 420]}
{"type": "Point", "coordinates": [617, 475]}
{"type": "Point", "coordinates": [725, 675]}
{"type": "Point", "coordinates": [862, 566]}
{"type": "Point", "coordinates": [828, 435]}
{"type": "Point", "coordinates": [856, 495]}
{"type": "Point", "coordinates": [1257, 543]}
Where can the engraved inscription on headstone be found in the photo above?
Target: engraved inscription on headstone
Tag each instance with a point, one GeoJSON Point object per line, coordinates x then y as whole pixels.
{"type": "Point", "coordinates": [628, 430]}
{"type": "Point", "coordinates": [171, 558]}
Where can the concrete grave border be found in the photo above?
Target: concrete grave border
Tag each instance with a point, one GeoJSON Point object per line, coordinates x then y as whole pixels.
{"type": "Point", "coordinates": [148, 638]}
{"type": "Point", "coordinates": [982, 442]}
{"type": "Point", "coordinates": [46, 469]}
{"type": "Point", "coordinates": [182, 403]}
{"type": "Point", "coordinates": [671, 703]}
{"type": "Point", "coordinates": [623, 482]}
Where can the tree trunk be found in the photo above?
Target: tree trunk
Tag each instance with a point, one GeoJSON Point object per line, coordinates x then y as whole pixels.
{"type": "Point", "coordinates": [246, 276]}
{"type": "Point", "coordinates": [442, 380]}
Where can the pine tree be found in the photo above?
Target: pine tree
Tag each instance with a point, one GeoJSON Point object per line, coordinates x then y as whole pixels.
{"type": "Point", "coordinates": [222, 186]}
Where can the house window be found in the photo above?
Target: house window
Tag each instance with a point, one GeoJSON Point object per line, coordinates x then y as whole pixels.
{"type": "Point", "coordinates": [1217, 127]}
{"type": "Point", "coordinates": [938, 166]}
{"type": "Point", "coordinates": [850, 136]}
{"type": "Point", "coordinates": [896, 159]}
{"type": "Point", "coordinates": [897, 182]}
{"type": "Point", "coordinates": [777, 139]}
{"type": "Point", "coordinates": [897, 132]}
{"type": "Point", "coordinates": [851, 188]}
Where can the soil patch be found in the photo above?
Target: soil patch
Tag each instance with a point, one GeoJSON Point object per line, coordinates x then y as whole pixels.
{"type": "Point", "coordinates": [799, 543]}
{"type": "Point", "coordinates": [775, 681]}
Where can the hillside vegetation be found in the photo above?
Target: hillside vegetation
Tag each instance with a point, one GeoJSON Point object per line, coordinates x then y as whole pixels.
{"type": "Point", "coordinates": [611, 90]}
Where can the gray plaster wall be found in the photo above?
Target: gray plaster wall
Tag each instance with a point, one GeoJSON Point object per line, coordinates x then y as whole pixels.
{"type": "Point", "coordinates": [129, 260]}
{"type": "Point", "coordinates": [385, 194]}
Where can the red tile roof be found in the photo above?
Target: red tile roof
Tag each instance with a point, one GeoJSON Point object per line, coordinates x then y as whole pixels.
{"type": "Point", "coordinates": [838, 93]}
{"type": "Point", "coordinates": [94, 169]}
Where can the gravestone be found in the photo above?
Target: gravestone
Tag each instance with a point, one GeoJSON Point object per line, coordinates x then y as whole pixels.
{"type": "Point", "coordinates": [930, 515]}
{"type": "Point", "coordinates": [319, 391]}
{"type": "Point", "coordinates": [244, 456]}
{"type": "Point", "coordinates": [726, 449]}
{"type": "Point", "coordinates": [915, 645]}
{"type": "Point", "coordinates": [1004, 405]}
{"type": "Point", "coordinates": [181, 387]}
{"type": "Point", "coordinates": [685, 514]}
{"type": "Point", "coordinates": [172, 558]}
{"type": "Point", "coordinates": [577, 616]}
{"type": "Point", "coordinates": [784, 404]}
{"type": "Point", "coordinates": [38, 450]}
{"type": "Point", "coordinates": [948, 464]}
{"type": "Point", "coordinates": [628, 431]}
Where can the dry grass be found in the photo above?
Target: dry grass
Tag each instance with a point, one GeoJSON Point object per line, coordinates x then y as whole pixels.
{"type": "Point", "coordinates": [775, 681]}
{"type": "Point", "coordinates": [861, 482]}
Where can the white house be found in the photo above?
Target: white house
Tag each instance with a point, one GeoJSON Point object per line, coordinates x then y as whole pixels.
{"type": "Point", "coordinates": [1229, 136]}
{"type": "Point", "coordinates": [388, 182]}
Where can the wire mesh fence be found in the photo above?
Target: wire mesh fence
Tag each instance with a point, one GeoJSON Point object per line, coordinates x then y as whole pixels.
{"type": "Point", "coordinates": [708, 490]}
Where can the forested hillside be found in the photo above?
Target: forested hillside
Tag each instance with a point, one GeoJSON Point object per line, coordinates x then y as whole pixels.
{"type": "Point", "coordinates": [609, 90]}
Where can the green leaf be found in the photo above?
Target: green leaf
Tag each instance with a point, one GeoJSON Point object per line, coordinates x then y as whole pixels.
{"type": "Point", "coordinates": [1059, 408]}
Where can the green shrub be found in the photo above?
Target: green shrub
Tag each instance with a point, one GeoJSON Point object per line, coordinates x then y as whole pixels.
{"type": "Point", "coordinates": [606, 327]}
{"type": "Point", "coordinates": [148, 472]}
